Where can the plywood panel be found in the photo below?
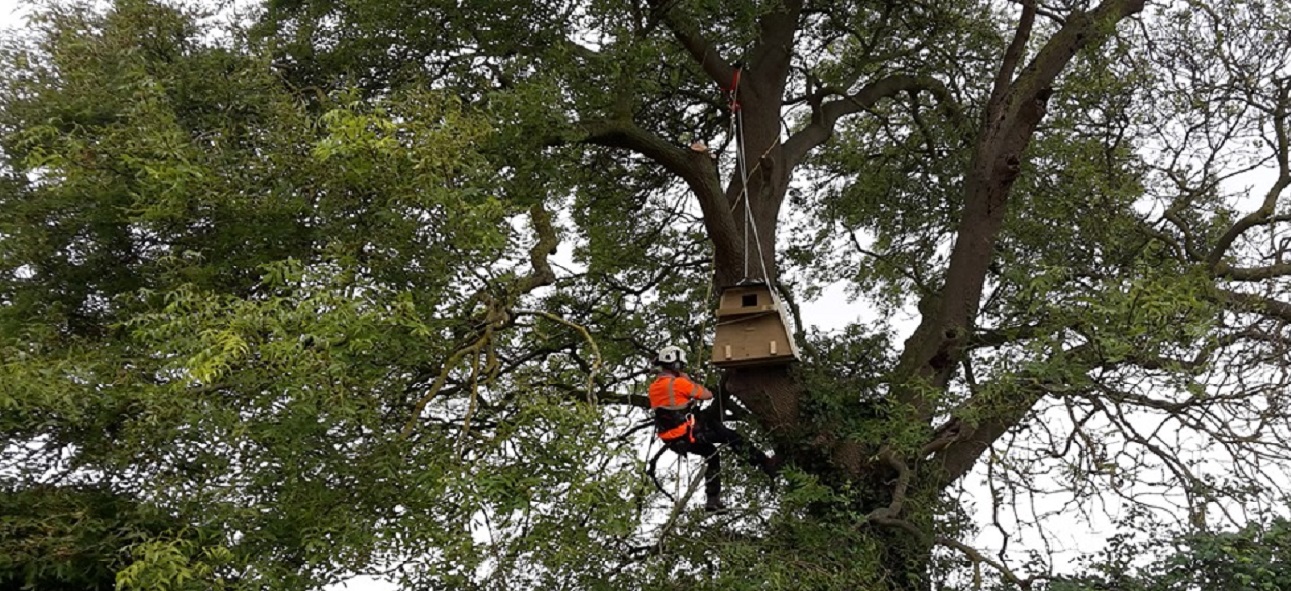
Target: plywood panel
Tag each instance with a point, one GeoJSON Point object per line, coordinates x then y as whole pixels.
{"type": "Point", "coordinates": [751, 329]}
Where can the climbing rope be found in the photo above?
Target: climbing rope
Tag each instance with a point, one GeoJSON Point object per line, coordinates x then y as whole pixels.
{"type": "Point", "coordinates": [703, 330]}
{"type": "Point", "coordinates": [737, 131]}
{"type": "Point", "coordinates": [742, 168]}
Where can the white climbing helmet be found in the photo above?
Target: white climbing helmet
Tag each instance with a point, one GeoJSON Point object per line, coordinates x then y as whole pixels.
{"type": "Point", "coordinates": [671, 354]}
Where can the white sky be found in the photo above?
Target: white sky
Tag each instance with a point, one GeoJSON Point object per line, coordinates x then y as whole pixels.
{"type": "Point", "coordinates": [8, 11]}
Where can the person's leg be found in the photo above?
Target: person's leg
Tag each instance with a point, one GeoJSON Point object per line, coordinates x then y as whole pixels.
{"type": "Point", "coordinates": [718, 433]}
{"type": "Point", "coordinates": [712, 474]}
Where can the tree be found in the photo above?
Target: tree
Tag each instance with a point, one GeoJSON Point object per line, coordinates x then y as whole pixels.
{"type": "Point", "coordinates": [75, 537]}
{"type": "Point", "coordinates": [298, 285]}
{"type": "Point", "coordinates": [1253, 557]}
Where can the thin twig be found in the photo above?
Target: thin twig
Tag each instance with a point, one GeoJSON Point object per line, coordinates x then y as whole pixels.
{"type": "Point", "coordinates": [587, 336]}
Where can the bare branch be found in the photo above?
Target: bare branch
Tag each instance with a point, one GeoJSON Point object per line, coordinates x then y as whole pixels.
{"type": "Point", "coordinates": [978, 559]}
{"type": "Point", "coordinates": [1261, 216]}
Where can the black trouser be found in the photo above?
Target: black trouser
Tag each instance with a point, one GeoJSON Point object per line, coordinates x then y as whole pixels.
{"type": "Point", "coordinates": [710, 433]}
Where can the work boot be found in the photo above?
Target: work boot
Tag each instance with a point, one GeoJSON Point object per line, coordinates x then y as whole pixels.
{"type": "Point", "coordinates": [715, 506]}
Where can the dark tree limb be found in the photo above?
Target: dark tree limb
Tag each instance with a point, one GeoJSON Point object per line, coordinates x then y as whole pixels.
{"type": "Point", "coordinates": [1013, 54]}
{"type": "Point", "coordinates": [1257, 304]}
{"type": "Point", "coordinates": [826, 115]}
{"type": "Point", "coordinates": [687, 32]}
{"type": "Point", "coordinates": [1223, 271]}
{"type": "Point", "coordinates": [695, 168]}
{"type": "Point", "coordinates": [934, 350]}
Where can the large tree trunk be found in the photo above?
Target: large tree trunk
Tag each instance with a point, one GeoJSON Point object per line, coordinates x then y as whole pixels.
{"type": "Point", "coordinates": [741, 222]}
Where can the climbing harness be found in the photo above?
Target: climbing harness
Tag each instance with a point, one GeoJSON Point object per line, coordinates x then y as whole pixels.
{"type": "Point", "coordinates": [685, 430]}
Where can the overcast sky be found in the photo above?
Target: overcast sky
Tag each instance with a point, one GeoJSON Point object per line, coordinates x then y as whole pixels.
{"type": "Point", "coordinates": [8, 9]}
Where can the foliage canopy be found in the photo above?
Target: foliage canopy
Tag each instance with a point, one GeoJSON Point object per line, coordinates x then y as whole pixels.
{"type": "Point", "coordinates": [370, 287]}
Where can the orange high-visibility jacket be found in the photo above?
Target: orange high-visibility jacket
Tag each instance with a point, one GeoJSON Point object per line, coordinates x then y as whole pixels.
{"type": "Point", "coordinates": [675, 392]}
{"type": "Point", "coordinates": [670, 397]}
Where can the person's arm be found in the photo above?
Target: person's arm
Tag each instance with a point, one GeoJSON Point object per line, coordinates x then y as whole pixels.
{"type": "Point", "coordinates": [698, 391]}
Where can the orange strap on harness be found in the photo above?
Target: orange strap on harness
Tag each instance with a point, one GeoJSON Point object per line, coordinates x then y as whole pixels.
{"type": "Point", "coordinates": [686, 429]}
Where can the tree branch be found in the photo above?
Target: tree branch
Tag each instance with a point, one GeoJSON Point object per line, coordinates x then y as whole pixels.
{"type": "Point", "coordinates": [978, 559]}
{"type": "Point", "coordinates": [1076, 33]}
{"type": "Point", "coordinates": [695, 168]}
{"type": "Point", "coordinates": [456, 357]}
{"type": "Point", "coordinates": [497, 313]}
{"type": "Point", "coordinates": [1261, 216]}
{"type": "Point", "coordinates": [587, 336]}
{"type": "Point", "coordinates": [1014, 53]}
{"type": "Point", "coordinates": [1256, 304]}
{"type": "Point", "coordinates": [904, 474]}
{"type": "Point", "coordinates": [548, 240]}
{"type": "Point", "coordinates": [934, 350]}
{"type": "Point", "coordinates": [688, 34]}
{"type": "Point", "coordinates": [1224, 271]}
{"type": "Point", "coordinates": [825, 116]}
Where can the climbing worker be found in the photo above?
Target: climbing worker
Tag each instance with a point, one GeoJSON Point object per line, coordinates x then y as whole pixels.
{"type": "Point", "coordinates": [674, 398]}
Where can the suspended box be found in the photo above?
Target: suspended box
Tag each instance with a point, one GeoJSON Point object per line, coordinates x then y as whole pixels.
{"type": "Point", "coordinates": [752, 328]}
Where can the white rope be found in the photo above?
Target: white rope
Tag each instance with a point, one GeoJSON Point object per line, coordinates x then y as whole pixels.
{"type": "Point", "coordinates": [744, 178]}
{"type": "Point", "coordinates": [737, 123]}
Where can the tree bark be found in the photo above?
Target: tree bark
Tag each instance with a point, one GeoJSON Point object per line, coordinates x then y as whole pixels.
{"type": "Point", "coordinates": [742, 221]}
{"type": "Point", "coordinates": [1016, 108]}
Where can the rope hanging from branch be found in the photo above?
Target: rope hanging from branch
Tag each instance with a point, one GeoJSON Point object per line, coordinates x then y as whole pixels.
{"type": "Point", "coordinates": [737, 131]}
